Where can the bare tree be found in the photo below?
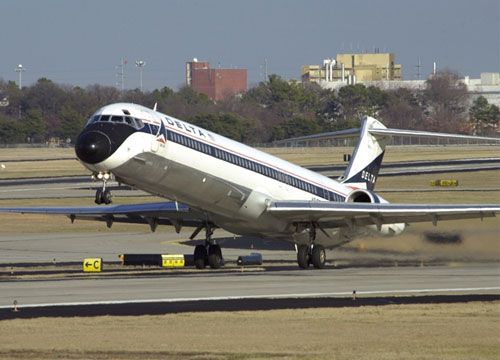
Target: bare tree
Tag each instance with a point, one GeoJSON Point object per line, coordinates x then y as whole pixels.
{"type": "Point", "coordinates": [445, 103]}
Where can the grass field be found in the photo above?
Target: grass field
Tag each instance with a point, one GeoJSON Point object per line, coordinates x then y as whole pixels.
{"type": "Point", "coordinates": [449, 331]}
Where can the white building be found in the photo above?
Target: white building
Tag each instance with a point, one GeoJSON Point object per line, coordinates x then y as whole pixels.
{"type": "Point", "coordinates": [488, 85]}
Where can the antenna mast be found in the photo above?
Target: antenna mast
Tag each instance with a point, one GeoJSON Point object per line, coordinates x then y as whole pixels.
{"type": "Point", "coordinates": [121, 74]}
{"type": "Point", "coordinates": [418, 66]}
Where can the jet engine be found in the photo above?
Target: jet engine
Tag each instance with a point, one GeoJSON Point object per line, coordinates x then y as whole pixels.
{"type": "Point", "coordinates": [366, 196]}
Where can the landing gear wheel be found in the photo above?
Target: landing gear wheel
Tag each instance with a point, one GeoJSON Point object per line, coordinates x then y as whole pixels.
{"type": "Point", "coordinates": [98, 197]}
{"type": "Point", "coordinates": [318, 257]}
{"type": "Point", "coordinates": [303, 256]}
{"type": "Point", "coordinates": [106, 197]}
{"type": "Point", "coordinates": [214, 256]}
{"type": "Point", "coordinates": [200, 254]}
{"type": "Point", "coordinates": [103, 197]}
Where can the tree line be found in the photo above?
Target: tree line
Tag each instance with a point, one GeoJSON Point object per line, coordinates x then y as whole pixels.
{"type": "Point", "coordinates": [272, 110]}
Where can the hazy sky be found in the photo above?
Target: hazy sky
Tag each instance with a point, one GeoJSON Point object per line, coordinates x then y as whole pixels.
{"type": "Point", "coordinates": [81, 41]}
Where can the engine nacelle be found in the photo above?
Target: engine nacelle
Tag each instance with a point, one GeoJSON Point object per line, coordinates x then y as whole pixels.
{"type": "Point", "coordinates": [366, 196]}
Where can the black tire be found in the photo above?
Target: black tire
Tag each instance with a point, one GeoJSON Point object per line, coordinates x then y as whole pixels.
{"type": "Point", "coordinates": [214, 256]}
{"type": "Point", "coordinates": [303, 256]}
{"type": "Point", "coordinates": [200, 254]}
{"type": "Point", "coordinates": [318, 257]}
{"type": "Point", "coordinates": [98, 197]}
{"type": "Point", "coordinates": [106, 197]}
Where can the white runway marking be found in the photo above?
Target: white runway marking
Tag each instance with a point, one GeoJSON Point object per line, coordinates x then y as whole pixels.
{"type": "Point", "coordinates": [250, 297]}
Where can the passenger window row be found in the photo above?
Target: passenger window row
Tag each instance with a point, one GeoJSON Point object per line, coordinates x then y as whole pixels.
{"type": "Point", "coordinates": [253, 166]}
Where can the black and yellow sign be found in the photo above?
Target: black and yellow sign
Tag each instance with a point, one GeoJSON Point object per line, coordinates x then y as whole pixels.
{"type": "Point", "coordinates": [172, 261]}
{"type": "Point", "coordinates": [92, 265]}
{"type": "Point", "coordinates": [444, 183]}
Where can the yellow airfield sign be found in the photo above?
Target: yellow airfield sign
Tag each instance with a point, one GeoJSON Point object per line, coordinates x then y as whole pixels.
{"type": "Point", "coordinates": [172, 261]}
{"type": "Point", "coordinates": [92, 265]}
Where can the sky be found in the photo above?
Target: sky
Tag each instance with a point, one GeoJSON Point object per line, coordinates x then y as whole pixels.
{"type": "Point", "coordinates": [80, 42]}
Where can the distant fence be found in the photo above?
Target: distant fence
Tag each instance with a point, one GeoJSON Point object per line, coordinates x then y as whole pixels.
{"type": "Point", "coordinates": [350, 139]}
{"type": "Point", "coordinates": [35, 145]}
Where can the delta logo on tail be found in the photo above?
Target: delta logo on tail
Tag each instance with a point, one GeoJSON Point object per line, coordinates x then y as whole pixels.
{"type": "Point", "coordinates": [162, 134]}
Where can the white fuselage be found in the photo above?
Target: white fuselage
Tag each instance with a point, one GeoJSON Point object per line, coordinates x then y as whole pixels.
{"type": "Point", "coordinates": [229, 181]}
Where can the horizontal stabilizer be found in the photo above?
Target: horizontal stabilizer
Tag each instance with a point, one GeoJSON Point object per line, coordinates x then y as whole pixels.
{"type": "Point", "coordinates": [400, 132]}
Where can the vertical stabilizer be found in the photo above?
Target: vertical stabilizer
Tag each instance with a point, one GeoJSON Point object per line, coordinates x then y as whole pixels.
{"type": "Point", "coordinates": [366, 159]}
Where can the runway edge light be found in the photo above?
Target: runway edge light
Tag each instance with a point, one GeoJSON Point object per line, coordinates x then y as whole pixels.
{"type": "Point", "coordinates": [92, 265]}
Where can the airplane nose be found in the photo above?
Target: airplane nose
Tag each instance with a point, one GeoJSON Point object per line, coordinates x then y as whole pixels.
{"type": "Point", "coordinates": [93, 147]}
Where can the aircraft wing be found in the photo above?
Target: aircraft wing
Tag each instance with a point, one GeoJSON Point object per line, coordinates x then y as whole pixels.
{"type": "Point", "coordinates": [160, 213]}
{"type": "Point", "coordinates": [333, 214]}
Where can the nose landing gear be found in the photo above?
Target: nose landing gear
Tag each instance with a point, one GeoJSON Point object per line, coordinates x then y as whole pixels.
{"type": "Point", "coordinates": [103, 196]}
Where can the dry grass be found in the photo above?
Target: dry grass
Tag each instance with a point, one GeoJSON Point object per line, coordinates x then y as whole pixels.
{"type": "Point", "coordinates": [448, 331]}
{"type": "Point", "coordinates": [36, 153]}
{"type": "Point", "coordinates": [42, 168]}
{"type": "Point", "coordinates": [489, 179]}
{"type": "Point", "coordinates": [334, 155]}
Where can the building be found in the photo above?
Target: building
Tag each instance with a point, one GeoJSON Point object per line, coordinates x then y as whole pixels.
{"type": "Point", "coordinates": [217, 84]}
{"type": "Point", "coordinates": [488, 85]}
{"type": "Point", "coordinates": [354, 68]}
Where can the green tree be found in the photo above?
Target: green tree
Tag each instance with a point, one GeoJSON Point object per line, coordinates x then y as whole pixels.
{"type": "Point", "coordinates": [10, 131]}
{"type": "Point", "coordinates": [229, 125]}
{"type": "Point", "coordinates": [357, 101]}
{"type": "Point", "coordinates": [484, 117]}
{"type": "Point", "coordinates": [32, 125]}
{"type": "Point", "coordinates": [296, 126]}
{"type": "Point", "coordinates": [71, 123]}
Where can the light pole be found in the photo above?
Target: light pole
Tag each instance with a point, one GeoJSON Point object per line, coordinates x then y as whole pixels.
{"type": "Point", "coordinates": [140, 64]}
{"type": "Point", "coordinates": [20, 69]}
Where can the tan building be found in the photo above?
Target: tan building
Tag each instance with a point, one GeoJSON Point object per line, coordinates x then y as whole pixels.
{"type": "Point", "coordinates": [354, 68]}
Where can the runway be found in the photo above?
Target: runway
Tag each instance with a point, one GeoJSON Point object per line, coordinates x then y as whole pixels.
{"type": "Point", "coordinates": [275, 284]}
{"type": "Point", "coordinates": [371, 273]}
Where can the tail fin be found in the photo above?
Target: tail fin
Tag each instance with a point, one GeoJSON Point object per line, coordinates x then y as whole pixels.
{"type": "Point", "coordinates": [366, 159]}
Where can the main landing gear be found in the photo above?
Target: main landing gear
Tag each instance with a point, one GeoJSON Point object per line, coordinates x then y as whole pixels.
{"type": "Point", "coordinates": [103, 196]}
{"type": "Point", "coordinates": [312, 253]}
{"type": "Point", "coordinates": [315, 255]}
{"type": "Point", "coordinates": [210, 253]}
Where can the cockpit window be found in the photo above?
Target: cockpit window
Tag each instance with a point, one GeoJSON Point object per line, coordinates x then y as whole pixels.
{"type": "Point", "coordinates": [139, 123]}
{"type": "Point", "coordinates": [93, 119]}
{"type": "Point", "coordinates": [129, 120]}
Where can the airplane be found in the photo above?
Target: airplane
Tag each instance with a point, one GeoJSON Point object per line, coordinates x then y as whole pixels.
{"type": "Point", "coordinates": [213, 182]}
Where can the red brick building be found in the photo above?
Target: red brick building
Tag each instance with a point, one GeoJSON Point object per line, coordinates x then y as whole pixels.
{"type": "Point", "coordinates": [217, 84]}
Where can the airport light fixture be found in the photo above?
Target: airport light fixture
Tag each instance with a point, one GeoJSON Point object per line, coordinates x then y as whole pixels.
{"type": "Point", "coordinates": [140, 64]}
{"type": "Point", "coordinates": [20, 69]}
